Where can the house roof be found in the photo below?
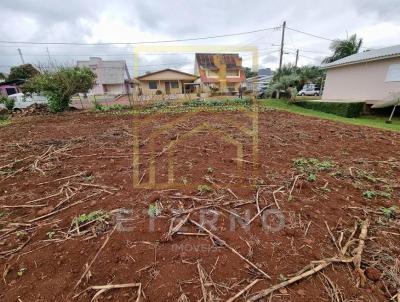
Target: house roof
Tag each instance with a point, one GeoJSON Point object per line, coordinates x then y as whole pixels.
{"type": "Point", "coordinates": [167, 69]}
{"type": "Point", "coordinates": [370, 55]}
{"type": "Point", "coordinates": [206, 60]}
{"type": "Point", "coordinates": [260, 78]}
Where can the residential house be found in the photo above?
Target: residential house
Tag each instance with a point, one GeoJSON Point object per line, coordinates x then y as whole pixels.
{"type": "Point", "coordinates": [369, 76]}
{"type": "Point", "coordinates": [257, 83]}
{"type": "Point", "coordinates": [166, 81]}
{"type": "Point", "coordinates": [112, 76]}
{"type": "Point", "coordinates": [222, 72]}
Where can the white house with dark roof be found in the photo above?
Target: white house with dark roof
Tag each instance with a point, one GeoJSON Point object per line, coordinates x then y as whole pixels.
{"type": "Point", "coordinates": [369, 76]}
{"type": "Point", "coordinates": [112, 76]}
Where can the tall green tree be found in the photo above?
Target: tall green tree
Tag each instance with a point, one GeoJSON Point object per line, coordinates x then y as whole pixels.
{"type": "Point", "coordinates": [344, 48]}
{"type": "Point", "coordinates": [59, 86]}
{"type": "Point", "coordinates": [22, 72]}
{"type": "Point", "coordinates": [249, 73]}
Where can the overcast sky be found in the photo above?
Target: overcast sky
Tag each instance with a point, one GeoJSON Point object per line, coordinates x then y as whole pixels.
{"type": "Point", "coordinates": [89, 21]}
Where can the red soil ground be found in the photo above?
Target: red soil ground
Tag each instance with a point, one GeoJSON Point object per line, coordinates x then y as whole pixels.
{"type": "Point", "coordinates": [54, 168]}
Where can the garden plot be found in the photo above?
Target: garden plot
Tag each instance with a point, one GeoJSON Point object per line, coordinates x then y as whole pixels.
{"type": "Point", "coordinates": [306, 210]}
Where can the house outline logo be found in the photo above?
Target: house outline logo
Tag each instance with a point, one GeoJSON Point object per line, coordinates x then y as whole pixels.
{"type": "Point", "coordinates": [251, 132]}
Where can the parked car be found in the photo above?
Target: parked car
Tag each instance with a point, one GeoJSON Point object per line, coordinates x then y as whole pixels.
{"type": "Point", "coordinates": [22, 101]}
{"type": "Point", "coordinates": [309, 91]}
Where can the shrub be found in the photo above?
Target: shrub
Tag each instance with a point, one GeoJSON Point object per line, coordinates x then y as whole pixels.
{"type": "Point", "coordinates": [342, 109]}
{"type": "Point", "coordinates": [158, 92]}
{"type": "Point", "coordinates": [8, 102]}
{"type": "Point", "coordinates": [59, 86]}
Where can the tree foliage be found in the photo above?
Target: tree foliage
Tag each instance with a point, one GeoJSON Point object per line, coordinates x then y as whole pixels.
{"type": "Point", "coordinates": [344, 48]}
{"type": "Point", "coordinates": [59, 86]}
{"type": "Point", "coordinates": [296, 77]}
{"type": "Point", "coordinates": [249, 73]}
{"type": "Point", "coordinates": [22, 72]}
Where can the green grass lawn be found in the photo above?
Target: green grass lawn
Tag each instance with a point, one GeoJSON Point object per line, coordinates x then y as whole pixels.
{"type": "Point", "coordinates": [366, 120]}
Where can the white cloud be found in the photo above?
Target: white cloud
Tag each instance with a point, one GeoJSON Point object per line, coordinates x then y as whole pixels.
{"type": "Point", "coordinates": [126, 20]}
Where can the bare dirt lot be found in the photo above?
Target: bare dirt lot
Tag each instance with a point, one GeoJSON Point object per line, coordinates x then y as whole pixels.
{"type": "Point", "coordinates": [91, 199]}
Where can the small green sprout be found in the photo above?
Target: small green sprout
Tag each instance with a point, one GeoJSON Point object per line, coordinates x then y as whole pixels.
{"type": "Point", "coordinates": [369, 194]}
{"type": "Point", "coordinates": [389, 212]}
{"type": "Point", "coordinates": [204, 189]}
{"type": "Point", "coordinates": [312, 177]}
{"type": "Point", "coordinates": [154, 210]}
{"type": "Point", "coordinates": [210, 170]}
{"type": "Point", "coordinates": [50, 234]}
{"type": "Point", "coordinates": [372, 193]}
{"type": "Point", "coordinates": [92, 216]}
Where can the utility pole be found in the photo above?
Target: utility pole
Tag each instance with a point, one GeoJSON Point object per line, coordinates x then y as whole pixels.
{"type": "Point", "coordinates": [282, 43]}
{"type": "Point", "coordinates": [20, 55]}
{"type": "Point", "coordinates": [297, 58]}
{"type": "Point", "coordinates": [48, 54]}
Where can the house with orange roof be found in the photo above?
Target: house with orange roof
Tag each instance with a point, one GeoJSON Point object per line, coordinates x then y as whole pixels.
{"type": "Point", "coordinates": [220, 72]}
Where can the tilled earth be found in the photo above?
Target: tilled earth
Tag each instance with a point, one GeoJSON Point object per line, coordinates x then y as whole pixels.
{"type": "Point", "coordinates": [197, 206]}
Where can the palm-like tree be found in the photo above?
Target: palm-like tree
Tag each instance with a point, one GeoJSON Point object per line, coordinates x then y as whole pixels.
{"type": "Point", "coordinates": [344, 48]}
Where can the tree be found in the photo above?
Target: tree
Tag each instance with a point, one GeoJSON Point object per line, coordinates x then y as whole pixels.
{"type": "Point", "coordinates": [296, 77]}
{"type": "Point", "coordinates": [2, 76]}
{"type": "Point", "coordinates": [310, 74]}
{"type": "Point", "coordinates": [22, 72]}
{"type": "Point", "coordinates": [249, 73]}
{"type": "Point", "coordinates": [282, 84]}
{"type": "Point", "coordinates": [344, 48]}
{"type": "Point", "coordinates": [60, 85]}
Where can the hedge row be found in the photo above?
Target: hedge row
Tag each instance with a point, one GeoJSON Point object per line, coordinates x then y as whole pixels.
{"type": "Point", "coordinates": [338, 108]}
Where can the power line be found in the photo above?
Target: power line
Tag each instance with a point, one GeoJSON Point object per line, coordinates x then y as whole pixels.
{"type": "Point", "coordinates": [141, 42]}
{"type": "Point", "coordinates": [309, 34]}
{"type": "Point", "coordinates": [111, 55]}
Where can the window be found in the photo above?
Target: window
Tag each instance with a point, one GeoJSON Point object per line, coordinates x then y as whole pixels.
{"type": "Point", "coordinates": [152, 85]}
{"type": "Point", "coordinates": [11, 91]}
{"type": "Point", "coordinates": [174, 84]}
{"type": "Point", "coordinates": [211, 74]}
{"type": "Point", "coordinates": [232, 73]}
{"type": "Point", "coordinates": [393, 74]}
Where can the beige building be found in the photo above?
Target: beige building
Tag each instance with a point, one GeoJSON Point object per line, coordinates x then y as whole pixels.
{"type": "Point", "coordinates": [369, 76]}
{"type": "Point", "coordinates": [168, 81]}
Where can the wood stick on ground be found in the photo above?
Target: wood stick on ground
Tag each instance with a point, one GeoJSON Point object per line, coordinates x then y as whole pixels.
{"type": "Point", "coordinates": [202, 277]}
{"type": "Point", "coordinates": [243, 291]}
{"type": "Point", "coordinates": [357, 257]}
{"type": "Point", "coordinates": [103, 288]}
{"type": "Point", "coordinates": [62, 178]}
{"type": "Point", "coordinates": [293, 185]}
{"type": "Point", "coordinates": [307, 273]}
{"type": "Point", "coordinates": [257, 200]}
{"type": "Point", "coordinates": [310, 270]}
{"type": "Point", "coordinates": [94, 258]}
{"type": "Point", "coordinates": [67, 207]}
{"type": "Point", "coordinates": [176, 228]}
{"type": "Point", "coordinates": [230, 248]}
{"type": "Point", "coordinates": [23, 206]}
{"type": "Point", "coordinates": [46, 197]}
{"type": "Point", "coordinates": [332, 236]}
{"type": "Point", "coordinates": [258, 214]}
{"type": "Point", "coordinates": [275, 199]}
